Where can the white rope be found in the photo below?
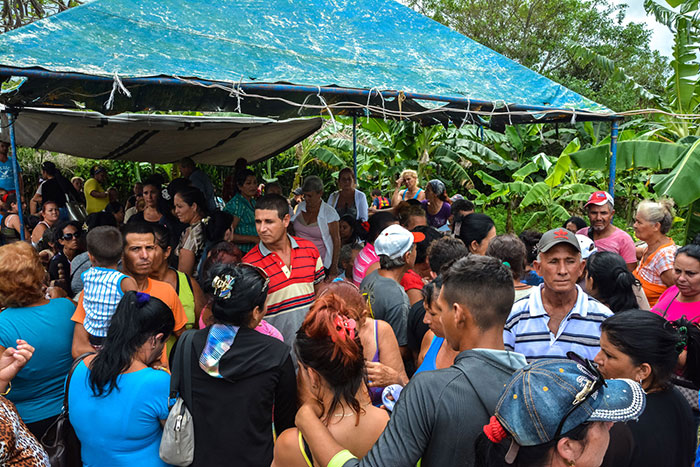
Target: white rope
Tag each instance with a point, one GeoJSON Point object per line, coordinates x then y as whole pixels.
{"type": "Point", "coordinates": [116, 85]}
{"type": "Point", "coordinates": [396, 114]}
{"type": "Point", "coordinates": [236, 89]}
{"type": "Point", "coordinates": [573, 117]}
{"type": "Point", "coordinates": [369, 96]}
{"type": "Point", "coordinates": [323, 101]}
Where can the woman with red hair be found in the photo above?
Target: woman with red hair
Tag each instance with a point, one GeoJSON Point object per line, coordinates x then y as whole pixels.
{"type": "Point", "coordinates": [332, 372]}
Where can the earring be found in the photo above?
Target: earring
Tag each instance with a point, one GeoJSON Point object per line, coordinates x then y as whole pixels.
{"type": "Point", "coordinates": [571, 462]}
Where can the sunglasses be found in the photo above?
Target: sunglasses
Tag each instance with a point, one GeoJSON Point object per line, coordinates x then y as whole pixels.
{"type": "Point", "coordinates": [71, 236]}
{"type": "Point", "coordinates": [591, 387]}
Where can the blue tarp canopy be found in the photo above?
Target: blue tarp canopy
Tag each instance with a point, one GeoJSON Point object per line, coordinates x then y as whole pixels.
{"type": "Point", "coordinates": [274, 58]}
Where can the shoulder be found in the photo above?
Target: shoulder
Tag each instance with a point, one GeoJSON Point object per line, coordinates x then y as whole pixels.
{"type": "Point", "coordinates": [622, 235]}
{"type": "Point", "coordinates": [287, 450]}
{"type": "Point", "coordinates": [596, 311]}
{"type": "Point", "coordinates": [162, 290]}
{"type": "Point", "coordinates": [305, 244]}
{"type": "Point", "coordinates": [253, 255]}
{"type": "Point", "coordinates": [62, 304]}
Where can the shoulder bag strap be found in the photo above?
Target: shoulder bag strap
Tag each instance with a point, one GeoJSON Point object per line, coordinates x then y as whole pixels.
{"type": "Point", "coordinates": [670, 303]}
{"type": "Point", "coordinates": [185, 377]}
{"type": "Point", "coordinates": [76, 362]}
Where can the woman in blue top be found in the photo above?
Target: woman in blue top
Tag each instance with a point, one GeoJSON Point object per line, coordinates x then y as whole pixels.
{"type": "Point", "coordinates": [117, 402]}
{"type": "Point", "coordinates": [435, 352]}
{"type": "Point", "coordinates": [37, 391]}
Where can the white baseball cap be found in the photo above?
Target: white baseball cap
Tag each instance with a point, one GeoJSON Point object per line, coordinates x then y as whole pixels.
{"type": "Point", "coordinates": [395, 241]}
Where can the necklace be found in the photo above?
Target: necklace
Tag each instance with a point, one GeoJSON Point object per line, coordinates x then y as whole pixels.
{"type": "Point", "coordinates": [351, 412]}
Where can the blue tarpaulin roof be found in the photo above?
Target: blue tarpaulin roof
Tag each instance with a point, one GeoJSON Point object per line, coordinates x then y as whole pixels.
{"type": "Point", "coordinates": [239, 52]}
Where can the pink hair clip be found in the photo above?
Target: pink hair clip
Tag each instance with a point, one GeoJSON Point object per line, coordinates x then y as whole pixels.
{"type": "Point", "coordinates": [345, 327]}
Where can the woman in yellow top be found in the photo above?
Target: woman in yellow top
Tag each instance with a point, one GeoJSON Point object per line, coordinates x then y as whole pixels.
{"type": "Point", "coordinates": [655, 266]}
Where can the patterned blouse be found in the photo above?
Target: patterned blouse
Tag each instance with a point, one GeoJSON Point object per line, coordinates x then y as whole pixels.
{"type": "Point", "coordinates": [244, 210]}
{"type": "Point", "coordinates": [18, 447]}
{"type": "Point", "coordinates": [192, 239]}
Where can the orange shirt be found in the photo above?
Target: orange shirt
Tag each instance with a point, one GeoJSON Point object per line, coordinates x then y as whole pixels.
{"type": "Point", "coordinates": [158, 289]}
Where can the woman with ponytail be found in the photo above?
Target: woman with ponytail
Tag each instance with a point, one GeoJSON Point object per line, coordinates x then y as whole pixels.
{"type": "Point", "coordinates": [610, 282]}
{"type": "Point", "coordinates": [117, 401]}
{"type": "Point", "coordinates": [332, 372]}
{"type": "Point", "coordinates": [242, 380]}
{"type": "Point", "coordinates": [645, 347]}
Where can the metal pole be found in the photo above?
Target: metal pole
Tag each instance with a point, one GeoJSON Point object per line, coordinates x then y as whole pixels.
{"type": "Point", "coordinates": [354, 144]}
{"type": "Point", "coordinates": [613, 157]}
{"type": "Point", "coordinates": [15, 167]}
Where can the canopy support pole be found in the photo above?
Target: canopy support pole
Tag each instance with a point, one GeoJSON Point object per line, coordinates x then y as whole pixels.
{"type": "Point", "coordinates": [15, 167]}
{"type": "Point", "coordinates": [354, 145]}
{"type": "Point", "coordinates": [613, 157]}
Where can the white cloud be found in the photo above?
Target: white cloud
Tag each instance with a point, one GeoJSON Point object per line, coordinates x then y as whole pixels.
{"type": "Point", "coordinates": [661, 37]}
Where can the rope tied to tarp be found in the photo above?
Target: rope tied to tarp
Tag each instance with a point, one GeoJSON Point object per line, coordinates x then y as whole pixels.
{"type": "Point", "coordinates": [369, 96]}
{"type": "Point", "coordinates": [236, 89]}
{"type": "Point", "coordinates": [117, 85]}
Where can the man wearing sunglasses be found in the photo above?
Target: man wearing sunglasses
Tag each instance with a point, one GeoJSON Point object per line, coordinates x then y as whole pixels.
{"type": "Point", "coordinates": [559, 316]}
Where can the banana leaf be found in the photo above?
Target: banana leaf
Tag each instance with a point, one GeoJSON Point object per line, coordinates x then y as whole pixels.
{"type": "Point", "coordinates": [682, 183]}
{"type": "Point", "coordinates": [631, 154]}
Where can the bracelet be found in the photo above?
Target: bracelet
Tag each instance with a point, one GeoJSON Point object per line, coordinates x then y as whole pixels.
{"type": "Point", "coordinates": [9, 388]}
{"type": "Point", "coordinates": [341, 458]}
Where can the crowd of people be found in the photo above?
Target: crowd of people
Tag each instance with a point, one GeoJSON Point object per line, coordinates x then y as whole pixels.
{"type": "Point", "coordinates": [342, 330]}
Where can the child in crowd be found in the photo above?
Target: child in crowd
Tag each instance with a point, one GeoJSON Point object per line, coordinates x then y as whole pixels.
{"type": "Point", "coordinates": [379, 201]}
{"type": "Point", "coordinates": [103, 284]}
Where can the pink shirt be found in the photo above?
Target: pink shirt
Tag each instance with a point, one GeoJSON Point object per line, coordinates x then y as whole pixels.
{"type": "Point", "coordinates": [365, 258]}
{"type": "Point", "coordinates": [618, 242]}
{"type": "Point", "coordinates": [690, 310]}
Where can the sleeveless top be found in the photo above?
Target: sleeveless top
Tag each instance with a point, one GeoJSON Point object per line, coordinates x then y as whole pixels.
{"type": "Point", "coordinates": [8, 234]}
{"type": "Point", "coordinates": [403, 195]}
{"type": "Point", "coordinates": [186, 295]}
{"type": "Point", "coordinates": [431, 355]}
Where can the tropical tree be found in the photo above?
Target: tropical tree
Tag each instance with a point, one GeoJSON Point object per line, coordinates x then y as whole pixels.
{"type": "Point", "coordinates": [670, 141]}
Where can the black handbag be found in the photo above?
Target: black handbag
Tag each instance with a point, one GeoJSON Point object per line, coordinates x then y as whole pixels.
{"type": "Point", "coordinates": [60, 441]}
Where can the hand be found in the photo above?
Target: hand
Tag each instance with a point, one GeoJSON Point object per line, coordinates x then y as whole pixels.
{"type": "Point", "coordinates": [380, 375]}
{"type": "Point", "coordinates": [399, 183]}
{"type": "Point", "coordinates": [13, 359]}
{"type": "Point", "coordinates": [45, 257]}
{"type": "Point", "coordinates": [56, 292]}
{"type": "Point", "coordinates": [310, 412]}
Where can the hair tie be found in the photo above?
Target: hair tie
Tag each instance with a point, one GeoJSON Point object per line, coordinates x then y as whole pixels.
{"type": "Point", "coordinates": [365, 226]}
{"type": "Point", "coordinates": [683, 343]}
{"type": "Point", "coordinates": [494, 431]}
{"type": "Point", "coordinates": [506, 263]}
{"type": "Point", "coordinates": [223, 286]}
{"type": "Point", "coordinates": [142, 298]}
{"type": "Point", "coordinates": [345, 328]}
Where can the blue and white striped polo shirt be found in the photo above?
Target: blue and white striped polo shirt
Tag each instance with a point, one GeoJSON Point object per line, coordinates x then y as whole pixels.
{"type": "Point", "coordinates": [526, 329]}
{"type": "Point", "coordinates": [102, 290]}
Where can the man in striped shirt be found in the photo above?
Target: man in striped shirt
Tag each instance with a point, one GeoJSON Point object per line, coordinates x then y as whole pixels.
{"type": "Point", "coordinates": [559, 316]}
{"type": "Point", "coordinates": [293, 265]}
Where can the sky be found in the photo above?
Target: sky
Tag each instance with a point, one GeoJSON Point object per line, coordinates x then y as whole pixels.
{"type": "Point", "coordinates": [661, 39]}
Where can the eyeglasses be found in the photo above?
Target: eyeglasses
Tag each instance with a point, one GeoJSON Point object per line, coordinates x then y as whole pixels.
{"type": "Point", "coordinates": [591, 387]}
{"type": "Point", "coordinates": [71, 236]}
